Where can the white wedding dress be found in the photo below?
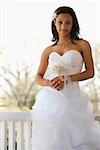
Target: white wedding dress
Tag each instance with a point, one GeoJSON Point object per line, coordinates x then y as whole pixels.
{"type": "Point", "coordinates": [63, 119]}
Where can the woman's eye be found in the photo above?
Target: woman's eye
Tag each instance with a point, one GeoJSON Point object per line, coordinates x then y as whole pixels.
{"type": "Point", "coordinates": [60, 22]}
{"type": "Point", "coordinates": [67, 22]}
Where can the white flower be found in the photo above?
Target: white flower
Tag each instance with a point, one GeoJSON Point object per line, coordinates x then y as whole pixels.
{"type": "Point", "coordinates": [54, 16]}
{"type": "Point", "coordinates": [60, 69]}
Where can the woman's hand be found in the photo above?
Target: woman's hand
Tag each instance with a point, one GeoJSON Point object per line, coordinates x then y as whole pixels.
{"type": "Point", "coordinates": [57, 83]}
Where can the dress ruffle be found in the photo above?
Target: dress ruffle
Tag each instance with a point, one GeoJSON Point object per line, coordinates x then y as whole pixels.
{"type": "Point", "coordinates": [68, 117]}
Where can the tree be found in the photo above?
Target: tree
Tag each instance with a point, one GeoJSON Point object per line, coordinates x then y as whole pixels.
{"type": "Point", "coordinates": [20, 83]}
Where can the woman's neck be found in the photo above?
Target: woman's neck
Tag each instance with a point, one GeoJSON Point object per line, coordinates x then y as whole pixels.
{"type": "Point", "coordinates": [64, 40]}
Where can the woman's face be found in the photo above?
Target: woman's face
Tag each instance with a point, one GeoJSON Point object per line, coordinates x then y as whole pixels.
{"type": "Point", "coordinates": [64, 23]}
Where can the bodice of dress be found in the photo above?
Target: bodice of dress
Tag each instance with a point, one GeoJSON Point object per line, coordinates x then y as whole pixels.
{"type": "Point", "coordinates": [69, 63]}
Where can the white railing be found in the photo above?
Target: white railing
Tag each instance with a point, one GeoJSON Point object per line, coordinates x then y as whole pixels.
{"type": "Point", "coordinates": [16, 130]}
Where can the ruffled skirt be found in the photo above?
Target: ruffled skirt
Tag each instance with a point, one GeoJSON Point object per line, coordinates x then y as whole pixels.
{"type": "Point", "coordinates": [63, 120]}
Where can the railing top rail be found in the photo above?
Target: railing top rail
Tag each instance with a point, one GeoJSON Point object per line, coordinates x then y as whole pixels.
{"type": "Point", "coordinates": [13, 116]}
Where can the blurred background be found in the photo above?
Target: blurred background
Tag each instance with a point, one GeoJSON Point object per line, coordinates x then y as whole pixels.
{"type": "Point", "coordinates": [25, 31]}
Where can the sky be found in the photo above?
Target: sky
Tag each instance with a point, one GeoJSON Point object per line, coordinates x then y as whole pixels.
{"type": "Point", "coordinates": [25, 27]}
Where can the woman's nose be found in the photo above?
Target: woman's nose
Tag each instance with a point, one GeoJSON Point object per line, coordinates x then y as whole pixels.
{"type": "Point", "coordinates": [63, 26]}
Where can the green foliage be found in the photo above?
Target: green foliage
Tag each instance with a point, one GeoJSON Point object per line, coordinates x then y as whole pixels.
{"type": "Point", "coordinates": [32, 101]}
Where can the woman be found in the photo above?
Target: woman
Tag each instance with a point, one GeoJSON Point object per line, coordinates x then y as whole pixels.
{"type": "Point", "coordinates": [61, 115]}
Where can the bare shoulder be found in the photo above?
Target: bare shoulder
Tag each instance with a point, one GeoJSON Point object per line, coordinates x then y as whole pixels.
{"type": "Point", "coordinates": [86, 51]}
{"type": "Point", "coordinates": [47, 51]}
{"type": "Point", "coordinates": [44, 60]}
{"type": "Point", "coordinates": [84, 46]}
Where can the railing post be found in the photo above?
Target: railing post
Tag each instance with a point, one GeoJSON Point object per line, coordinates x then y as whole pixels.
{"type": "Point", "coordinates": [20, 136]}
{"type": "Point", "coordinates": [3, 135]}
{"type": "Point", "coordinates": [28, 135]}
{"type": "Point", "coordinates": [12, 136]}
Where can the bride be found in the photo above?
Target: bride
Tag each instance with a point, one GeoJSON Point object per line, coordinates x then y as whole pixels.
{"type": "Point", "coordinates": [62, 119]}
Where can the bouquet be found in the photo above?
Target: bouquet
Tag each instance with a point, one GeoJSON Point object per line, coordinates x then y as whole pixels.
{"type": "Point", "coordinates": [60, 69]}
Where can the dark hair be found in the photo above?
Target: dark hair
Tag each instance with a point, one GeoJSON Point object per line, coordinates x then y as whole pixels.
{"type": "Point", "coordinates": [75, 27]}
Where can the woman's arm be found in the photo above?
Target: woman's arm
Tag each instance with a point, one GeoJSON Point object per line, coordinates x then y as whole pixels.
{"type": "Point", "coordinates": [42, 68]}
{"type": "Point", "coordinates": [88, 60]}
